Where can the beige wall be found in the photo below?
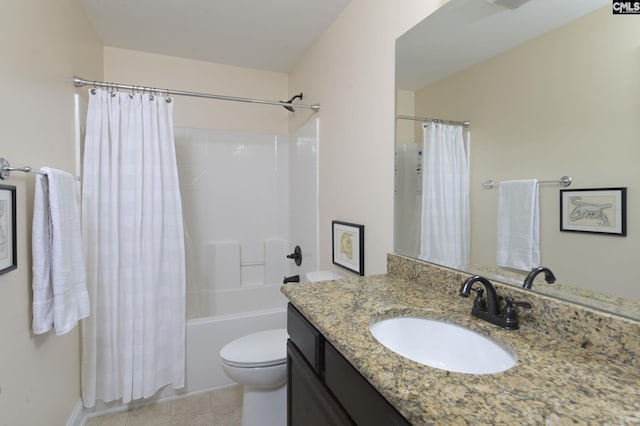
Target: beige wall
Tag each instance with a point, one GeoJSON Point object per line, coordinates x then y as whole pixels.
{"type": "Point", "coordinates": [350, 72]}
{"type": "Point", "coordinates": [563, 104]}
{"type": "Point", "coordinates": [140, 68]}
{"type": "Point", "coordinates": [43, 44]}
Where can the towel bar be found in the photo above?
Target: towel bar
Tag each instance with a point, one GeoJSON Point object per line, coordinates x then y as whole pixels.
{"type": "Point", "coordinates": [563, 181]}
{"type": "Point", "coordinates": [6, 169]}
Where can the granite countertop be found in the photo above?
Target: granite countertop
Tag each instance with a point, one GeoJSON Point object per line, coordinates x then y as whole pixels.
{"type": "Point", "coordinates": [552, 383]}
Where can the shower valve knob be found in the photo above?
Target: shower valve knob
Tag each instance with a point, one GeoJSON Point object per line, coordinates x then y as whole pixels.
{"type": "Point", "coordinates": [296, 255]}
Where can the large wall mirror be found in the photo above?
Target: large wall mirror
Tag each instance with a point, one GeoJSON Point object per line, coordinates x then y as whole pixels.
{"type": "Point", "coordinates": [551, 88]}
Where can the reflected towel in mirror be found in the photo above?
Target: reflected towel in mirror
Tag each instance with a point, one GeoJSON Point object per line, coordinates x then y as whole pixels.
{"type": "Point", "coordinates": [518, 225]}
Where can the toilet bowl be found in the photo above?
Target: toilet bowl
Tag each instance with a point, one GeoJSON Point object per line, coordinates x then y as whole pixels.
{"type": "Point", "coordinates": [258, 361]}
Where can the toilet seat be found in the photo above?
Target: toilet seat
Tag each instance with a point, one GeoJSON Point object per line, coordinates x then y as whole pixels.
{"type": "Point", "coordinates": [261, 349]}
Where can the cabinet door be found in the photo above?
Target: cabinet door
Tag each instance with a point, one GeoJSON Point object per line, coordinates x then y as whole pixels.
{"type": "Point", "coordinates": [309, 403]}
{"type": "Point", "coordinates": [307, 339]}
{"type": "Point", "coordinates": [362, 401]}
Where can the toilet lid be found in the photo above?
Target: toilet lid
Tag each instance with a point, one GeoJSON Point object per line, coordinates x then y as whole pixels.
{"type": "Point", "coordinates": [259, 349]}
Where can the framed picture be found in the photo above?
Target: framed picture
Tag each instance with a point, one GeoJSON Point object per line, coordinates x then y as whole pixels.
{"type": "Point", "coordinates": [348, 246]}
{"type": "Point", "coordinates": [8, 251]}
{"type": "Point", "coordinates": [597, 210]}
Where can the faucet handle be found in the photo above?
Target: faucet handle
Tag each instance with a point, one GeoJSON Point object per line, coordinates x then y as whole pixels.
{"type": "Point", "coordinates": [512, 303]}
{"type": "Point", "coordinates": [510, 314]}
{"type": "Point", "coordinates": [479, 302]}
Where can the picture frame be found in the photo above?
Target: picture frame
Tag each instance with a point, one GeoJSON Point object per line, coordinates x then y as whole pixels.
{"type": "Point", "coordinates": [8, 240]}
{"type": "Point", "coordinates": [594, 210]}
{"type": "Point", "coordinates": [347, 241]}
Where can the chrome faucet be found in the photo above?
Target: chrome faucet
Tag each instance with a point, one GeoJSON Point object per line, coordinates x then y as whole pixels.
{"type": "Point", "coordinates": [489, 310]}
{"type": "Point", "coordinates": [548, 277]}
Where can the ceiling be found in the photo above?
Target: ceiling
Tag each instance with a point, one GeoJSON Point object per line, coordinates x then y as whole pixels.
{"type": "Point", "coordinates": [262, 34]}
{"type": "Point", "coordinates": [465, 32]}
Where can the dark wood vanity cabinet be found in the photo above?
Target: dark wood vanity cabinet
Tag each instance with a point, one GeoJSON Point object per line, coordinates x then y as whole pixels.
{"type": "Point", "coordinates": [309, 402]}
{"type": "Point", "coordinates": [324, 388]}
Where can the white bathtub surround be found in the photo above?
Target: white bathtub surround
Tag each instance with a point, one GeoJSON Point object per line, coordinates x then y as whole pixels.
{"type": "Point", "coordinates": [223, 266]}
{"type": "Point", "coordinates": [243, 188]}
{"type": "Point", "coordinates": [276, 264]}
{"type": "Point", "coordinates": [235, 188]}
{"type": "Point", "coordinates": [305, 229]}
{"type": "Point", "coordinates": [252, 263]}
{"type": "Point", "coordinates": [133, 343]}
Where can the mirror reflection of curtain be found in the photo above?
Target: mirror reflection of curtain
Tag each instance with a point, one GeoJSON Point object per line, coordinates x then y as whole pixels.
{"type": "Point", "coordinates": [445, 200]}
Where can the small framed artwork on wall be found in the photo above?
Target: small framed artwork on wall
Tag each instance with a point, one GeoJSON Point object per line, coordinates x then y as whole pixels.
{"type": "Point", "coordinates": [348, 246]}
{"type": "Point", "coordinates": [8, 261]}
{"type": "Point", "coordinates": [594, 210]}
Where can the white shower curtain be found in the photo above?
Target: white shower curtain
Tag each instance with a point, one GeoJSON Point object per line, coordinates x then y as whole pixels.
{"type": "Point", "coordinates": [133, 343]}
{"type": "Point", "coordinates": [445, 199]}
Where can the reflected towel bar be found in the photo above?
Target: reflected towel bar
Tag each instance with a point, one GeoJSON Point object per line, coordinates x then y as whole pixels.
{"type": "Point", "coordinates": [563, 181]}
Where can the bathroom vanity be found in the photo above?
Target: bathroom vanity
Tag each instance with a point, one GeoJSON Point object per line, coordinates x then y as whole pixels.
{"type": "Point", "coordinates": [573, 364]}
{"type": "Point", "coordinates": [323, 388]}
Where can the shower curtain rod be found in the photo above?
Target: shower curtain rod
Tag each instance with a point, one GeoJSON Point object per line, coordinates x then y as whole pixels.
{"type": "Point", "coordinates": [80, 82]}
{"type": "Point", "coordinates": [433, 120]}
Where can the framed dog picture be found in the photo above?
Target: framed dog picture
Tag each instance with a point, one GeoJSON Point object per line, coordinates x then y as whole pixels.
{"type": "Point", "coordinates": [348, 246]}
{"type": "Point", "coordinates": [597, 210]}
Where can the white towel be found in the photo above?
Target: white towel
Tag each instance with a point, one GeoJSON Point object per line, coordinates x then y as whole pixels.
{"type": "Point", "coordinates": [518, 225]}
{"type": "Point", "coordinates": [60, 297]}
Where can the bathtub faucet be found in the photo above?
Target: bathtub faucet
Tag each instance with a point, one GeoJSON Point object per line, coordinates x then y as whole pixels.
{"type": "Point", "coordinates": [291, 279]}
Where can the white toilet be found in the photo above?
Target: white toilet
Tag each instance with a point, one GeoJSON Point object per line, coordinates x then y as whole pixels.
{"type": "Point", "coordinates": [316, 276]}
{"type": "Point", "coordinates": [258, 361]}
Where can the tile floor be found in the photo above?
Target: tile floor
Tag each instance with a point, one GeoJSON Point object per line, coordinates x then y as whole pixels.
{"type": "Point", "coordinates": [216, 408]}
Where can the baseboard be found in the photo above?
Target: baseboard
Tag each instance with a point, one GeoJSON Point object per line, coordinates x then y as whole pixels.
{"type": "Point", "coordinates": [77, 415]}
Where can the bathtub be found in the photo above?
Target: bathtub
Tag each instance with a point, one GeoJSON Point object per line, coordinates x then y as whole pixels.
{"type": "Point", "coordinates": [206, 336]}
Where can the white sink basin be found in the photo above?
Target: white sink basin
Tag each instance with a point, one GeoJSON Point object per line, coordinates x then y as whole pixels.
{"type": "Point", "coordinates": [442, 345]}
